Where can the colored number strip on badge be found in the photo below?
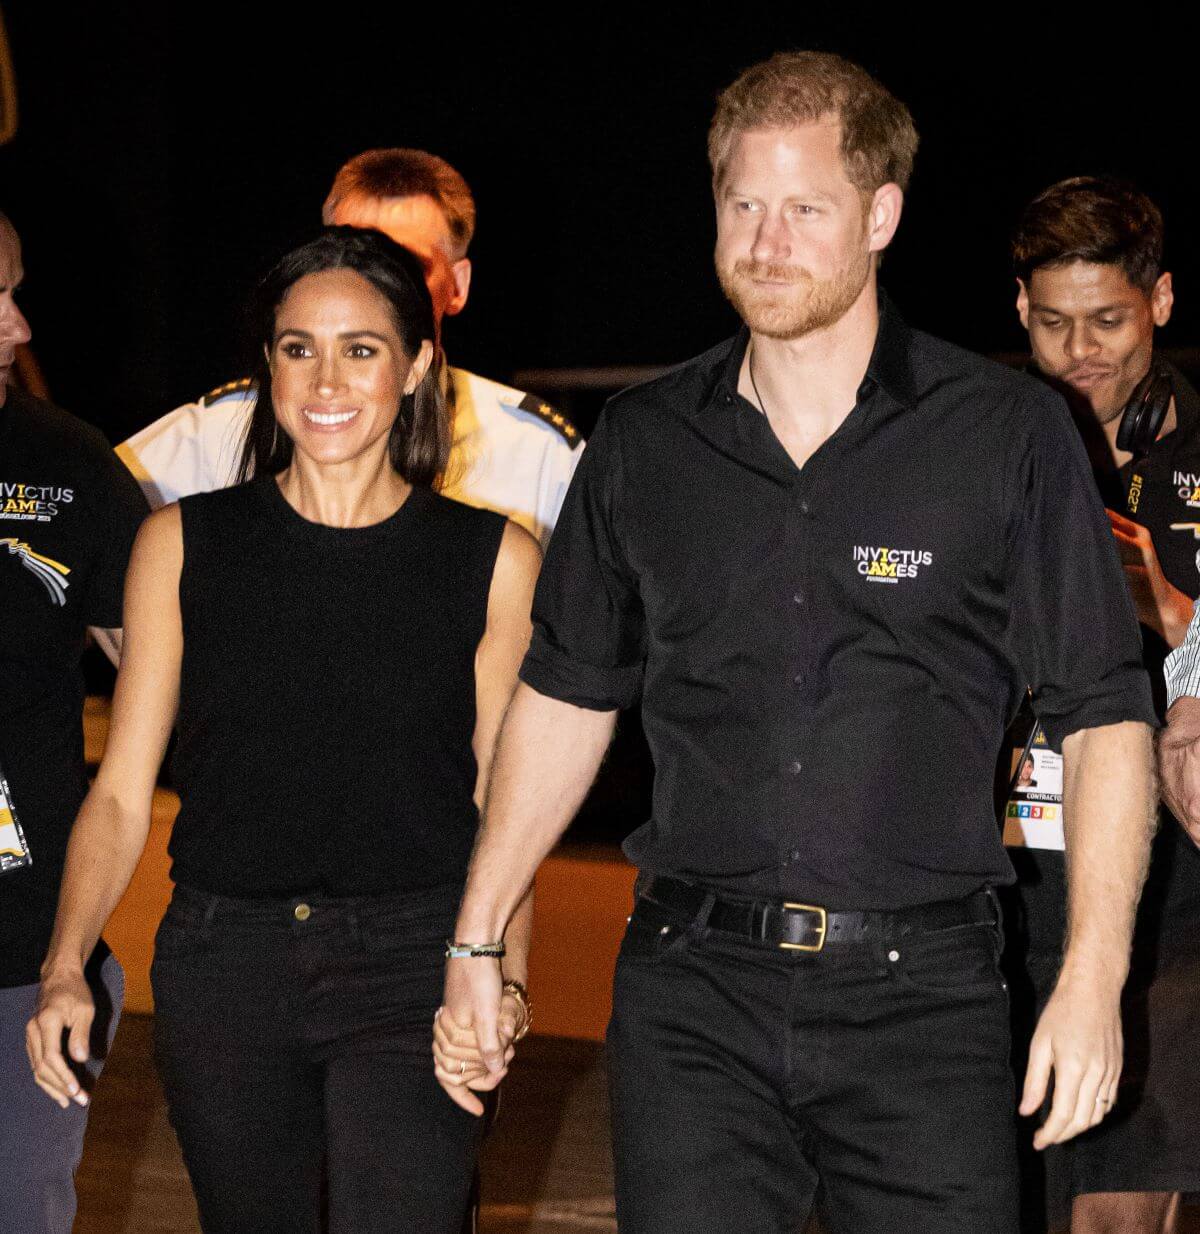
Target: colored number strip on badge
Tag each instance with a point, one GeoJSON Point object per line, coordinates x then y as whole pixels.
{"type": "Point", "coordinates": [14, 852]}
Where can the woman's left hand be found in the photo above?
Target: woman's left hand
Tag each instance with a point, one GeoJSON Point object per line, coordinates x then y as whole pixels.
{"type": "Point", "coordinates": [457, 1060]}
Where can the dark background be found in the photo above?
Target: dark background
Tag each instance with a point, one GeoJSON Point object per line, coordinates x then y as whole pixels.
{"type": "Point", "coordinates": [161, 158]}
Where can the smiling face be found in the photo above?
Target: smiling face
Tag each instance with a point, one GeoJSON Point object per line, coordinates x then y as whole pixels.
{"type": "Point", "coordinates": [1093, 330]}
{"type": "Point", "coordinates": [339, 368]}
{"type": "Point", "coordinates": [795, 238]}
{"type": "Point", "coordinates": [14, 329]}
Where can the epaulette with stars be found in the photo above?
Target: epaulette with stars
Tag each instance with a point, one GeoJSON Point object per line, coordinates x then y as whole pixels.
{"type": "Point", "coordinates": [557, 421]}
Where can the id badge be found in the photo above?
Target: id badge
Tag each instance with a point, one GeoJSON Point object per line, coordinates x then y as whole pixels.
{"type": "Point", "coordinates": [1033, 814]}
{"type": "Point", "coordinates": [14, 851]}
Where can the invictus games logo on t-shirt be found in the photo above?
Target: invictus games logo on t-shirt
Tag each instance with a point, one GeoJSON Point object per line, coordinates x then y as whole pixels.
{"type": "Point", "coordinates": [890, 565]}
{"type": "Point", "coordinates": [1187, 485]}
{"type": "Point", "coordinates": [32, 503]}
{"type": "Point", "coordinates": [50, 573]}
{"type": "Point", "coordinates": [1194, 528]}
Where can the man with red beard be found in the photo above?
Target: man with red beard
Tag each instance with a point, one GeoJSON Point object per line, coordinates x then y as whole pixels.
{"type": "Point", "coordinates": [816, 554]}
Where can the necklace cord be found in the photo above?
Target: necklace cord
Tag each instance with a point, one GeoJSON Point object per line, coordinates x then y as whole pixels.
{"type": "Point", "coordinates": [762, 407]}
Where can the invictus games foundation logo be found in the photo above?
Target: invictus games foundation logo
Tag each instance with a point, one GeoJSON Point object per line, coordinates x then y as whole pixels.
{"type": "Point", "coordinates": [1194, 528]}
{"type": "Point", "coordinates": [51, 574]}
{"type": "Point", "coordinates": [32, 503]}
{"type": "Point", "coordinates": [890, 565]}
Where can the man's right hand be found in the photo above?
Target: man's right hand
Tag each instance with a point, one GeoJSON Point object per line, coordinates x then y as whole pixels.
{"type": "Point", "coordinates": [1078, 1041]}
{"type": "Point", "coordinates": [474, 989]}
{"type": "Point", "coordinates": [1179, 763]}
{"type": "Point", "coordinates": [64, 1004]}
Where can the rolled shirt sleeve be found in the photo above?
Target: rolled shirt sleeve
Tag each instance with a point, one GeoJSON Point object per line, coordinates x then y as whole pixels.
{"type": "Point", "coordinates": [588, 645]}
{"type": "Point", "coordinates": [1075, 631]}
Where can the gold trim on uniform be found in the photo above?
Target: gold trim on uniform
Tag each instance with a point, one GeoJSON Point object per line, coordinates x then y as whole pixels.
{"type": "Point", "coordinates": [557, 421]}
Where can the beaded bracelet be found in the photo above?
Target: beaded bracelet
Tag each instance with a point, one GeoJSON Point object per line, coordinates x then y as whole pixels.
{"type": "Point", "coordinates": [470, 951]}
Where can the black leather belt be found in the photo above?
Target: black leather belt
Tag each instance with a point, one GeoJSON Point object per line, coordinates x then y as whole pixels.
{"type": "Point", "coordinates": [810, 927]}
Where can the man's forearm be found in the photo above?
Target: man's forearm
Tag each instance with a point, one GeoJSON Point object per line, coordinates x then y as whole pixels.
{"type": "Point", "coordinates": [1109, 805]}
{"type": "Point", "coordinates": [1110, 809]}
{"type": "Point", "coordinates": [546, 758]}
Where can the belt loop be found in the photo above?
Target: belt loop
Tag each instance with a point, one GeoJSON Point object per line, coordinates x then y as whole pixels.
{"type": "Point", "coordinates": [706, 908]}
{"type": "Point", "coordinates": [997, 909]}
{"type": "Point", "coordinates": [210, 911]}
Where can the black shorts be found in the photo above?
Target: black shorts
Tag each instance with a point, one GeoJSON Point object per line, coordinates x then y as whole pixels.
{"type": "Point", "coordinates": [1149, 1140]}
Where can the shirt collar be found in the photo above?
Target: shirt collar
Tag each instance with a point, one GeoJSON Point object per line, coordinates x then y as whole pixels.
{"type": "Point", "coordinates": [891, 361]}
{"type": "Point", "coordinates": [890, 366]}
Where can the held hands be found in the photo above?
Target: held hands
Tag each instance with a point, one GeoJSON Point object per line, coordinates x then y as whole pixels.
{"type": "Point", "coordinates": [474, 1031]}
{"type": "Point", "coordinates": [1078, 1038]}
{"type": "Point", "coordinates": [64, 1003]}
{"type": "Point", "coordinates": [1163, 608]}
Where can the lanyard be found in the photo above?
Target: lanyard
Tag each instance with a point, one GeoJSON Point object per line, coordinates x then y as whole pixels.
{"type": "Point", "coordinates": [14, 850]}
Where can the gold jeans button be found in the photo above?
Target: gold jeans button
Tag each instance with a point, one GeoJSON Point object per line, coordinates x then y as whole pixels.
{"type": "Point", "coordinates": [303, 912]}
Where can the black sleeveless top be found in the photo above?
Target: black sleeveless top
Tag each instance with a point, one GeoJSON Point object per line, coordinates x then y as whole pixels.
{"type": "Point", "coordinates": [327, 695]}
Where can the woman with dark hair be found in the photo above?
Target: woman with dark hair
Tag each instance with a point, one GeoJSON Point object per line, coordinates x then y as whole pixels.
{"type": "Point", "coordinates": [336, 645]}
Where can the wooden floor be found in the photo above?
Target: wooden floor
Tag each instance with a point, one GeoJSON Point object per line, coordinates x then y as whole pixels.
{"type": "Point", "coordinates": [546, 1169]}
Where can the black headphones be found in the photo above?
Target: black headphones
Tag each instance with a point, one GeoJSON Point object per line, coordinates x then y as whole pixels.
{"type": "Point", "coordinates": [1142, 419]}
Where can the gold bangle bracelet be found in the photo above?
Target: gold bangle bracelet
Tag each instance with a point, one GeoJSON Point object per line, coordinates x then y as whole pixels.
{"type": "Point", "coordinates": [519, 992]}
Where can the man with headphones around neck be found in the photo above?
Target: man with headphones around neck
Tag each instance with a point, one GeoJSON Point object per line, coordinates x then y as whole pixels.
{"type": "Point", "coordinates": [1091, 291]}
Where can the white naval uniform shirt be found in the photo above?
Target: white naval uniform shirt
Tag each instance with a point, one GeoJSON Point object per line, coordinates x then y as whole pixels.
{"type": "Point", "coordinates": [511, 453]}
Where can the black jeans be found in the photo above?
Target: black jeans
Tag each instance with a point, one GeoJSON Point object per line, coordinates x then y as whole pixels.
{"type": "Point", "coordinates": [294, 1037]}
{"type": "Point", "coordinates": [871, 1079]}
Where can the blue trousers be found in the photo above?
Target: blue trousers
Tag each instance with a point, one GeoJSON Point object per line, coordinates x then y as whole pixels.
{"type": "Point", "coordinates": [41, 1143]}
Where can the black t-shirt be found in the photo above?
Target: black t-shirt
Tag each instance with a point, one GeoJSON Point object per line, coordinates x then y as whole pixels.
{"type": "Point", "coordinates": [68, 514]}
{"type": "Point", "coordinates": [828, 656]}
{"type": "Point", "coordinates": [1161, 492]}
{"type": "Point", "coordinates": [327, 695]}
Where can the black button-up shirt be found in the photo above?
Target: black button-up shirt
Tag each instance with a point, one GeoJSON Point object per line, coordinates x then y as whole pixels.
{"type": "Point", "coordinates": [828, 656]}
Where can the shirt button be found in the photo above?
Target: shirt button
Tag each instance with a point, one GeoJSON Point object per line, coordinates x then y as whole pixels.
{"type": "Point", "coordinates": [798, 679]}
{"type": "Point", "coordinates": [302, 912]}
{"type": "Point", "coordinates": [798, 598]}
{"type": "Point", "coordinates": [794, 855]}
{"type": "Point", "coordinates": [796, 767]}
{"type": "Point", "coordinates": [804, 507]}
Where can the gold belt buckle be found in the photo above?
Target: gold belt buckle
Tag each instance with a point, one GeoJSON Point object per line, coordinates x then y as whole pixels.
{"type": "Point", "coordinates": [808, 908]}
